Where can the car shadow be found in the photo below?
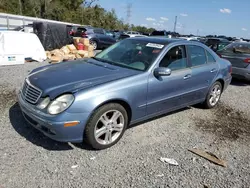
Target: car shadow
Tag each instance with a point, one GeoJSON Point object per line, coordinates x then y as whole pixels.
{"type": "Point", "coordinates": [239, 82]}
{"type": "Point", "coordinates": [158, 117]}
{"type": "Point", "coordinates": [31, 134]}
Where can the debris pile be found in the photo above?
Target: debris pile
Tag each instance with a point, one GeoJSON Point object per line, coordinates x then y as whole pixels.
{"type": "Point", "coordinates": [80, 49]}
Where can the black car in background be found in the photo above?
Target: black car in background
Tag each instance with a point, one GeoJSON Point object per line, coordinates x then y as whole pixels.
{"type": "Point", "coordinates": [216, 43]}
{"type": "Point", "coordinates": [97, 36]}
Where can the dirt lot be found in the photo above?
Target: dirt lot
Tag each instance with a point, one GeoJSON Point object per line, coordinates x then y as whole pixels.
{"type": "Point", "coordinates": [29, 159]}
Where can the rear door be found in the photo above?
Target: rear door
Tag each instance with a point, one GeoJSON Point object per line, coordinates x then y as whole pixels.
{"type": "Point", "coordinates": [204, 70]}
{"type": "Point", "coordinates": [237, 53]}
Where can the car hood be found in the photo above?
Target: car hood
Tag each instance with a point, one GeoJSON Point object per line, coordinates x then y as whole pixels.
{"type": "Point", "coordinates": [73, 76]}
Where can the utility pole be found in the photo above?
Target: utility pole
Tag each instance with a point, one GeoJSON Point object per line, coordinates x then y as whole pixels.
{"type": "Point", "coordinates": [20, 8]}
{"type": "Point", "coordinates": [129, 12]}
{"type": "Point", "coordinates": [175, 22]}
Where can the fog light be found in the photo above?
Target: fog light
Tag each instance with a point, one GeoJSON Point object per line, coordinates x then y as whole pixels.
{"type": "Point", "coordinates": [71, 123]}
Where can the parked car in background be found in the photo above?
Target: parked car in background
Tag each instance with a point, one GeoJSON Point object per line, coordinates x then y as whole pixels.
{"type": "Point", "coordinates": [110, 33]}
{"type": "Point", "coordinates": [159, 33]}
{"type": "Point", "coordinates": [124, 36]}
{"type": "Point", "coordinates": [216, 43]}
{"type": "Point", "coordinates": [134, 80]}
{"type": "Point", "coordinates": [238, 53]}
{"type": "Point", "coordinates": [118, 34]}
{"type": "Point", "coordinates": [97, 36]}
{"type": "Point", "coordinates": [73, 31]}
{"type": "Point", "coordinates": [132, 33]}
{"type": "Point", "coordinates": [199, 39]}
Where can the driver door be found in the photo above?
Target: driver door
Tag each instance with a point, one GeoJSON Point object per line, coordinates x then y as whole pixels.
{"type": "Point", "coordinates": [167, 93]}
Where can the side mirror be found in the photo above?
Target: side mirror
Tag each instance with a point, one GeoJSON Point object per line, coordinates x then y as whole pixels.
{"type": "Point", "coordinates": [162, 71]}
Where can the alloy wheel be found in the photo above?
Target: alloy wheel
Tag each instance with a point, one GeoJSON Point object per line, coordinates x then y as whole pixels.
{"type": "Point", "coordinates": [215, 95]}
{"type": "Point", "coordinates": [109, 127]}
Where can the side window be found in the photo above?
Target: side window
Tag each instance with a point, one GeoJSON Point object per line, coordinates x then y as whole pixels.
{"type": "Point", "coordinates": [197, 55]}
{"type": "Point", "coordinates": [210, 58]}
{"type": "Point", "coordinates": [175, 59]}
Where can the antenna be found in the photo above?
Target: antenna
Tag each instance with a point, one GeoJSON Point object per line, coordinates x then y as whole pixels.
{"type": "Point", "coordinates": [129, 12]}
{"type": "Point", "coordinates": [175, 22]}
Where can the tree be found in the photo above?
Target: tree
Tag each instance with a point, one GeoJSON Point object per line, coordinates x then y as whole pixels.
{"type": "Point", "coordinates": [85, 12]}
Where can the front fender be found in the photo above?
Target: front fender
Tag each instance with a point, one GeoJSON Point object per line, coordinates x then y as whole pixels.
{"type": "Point", "coordinates": [131, 91]}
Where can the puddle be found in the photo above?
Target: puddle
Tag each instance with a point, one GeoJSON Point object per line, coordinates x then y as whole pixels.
{"type": "Point", "coordinates": [227, 123]}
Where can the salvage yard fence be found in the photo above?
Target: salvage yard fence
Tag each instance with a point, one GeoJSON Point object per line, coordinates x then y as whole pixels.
{"type": "Point", "coordinates": [11, 21]}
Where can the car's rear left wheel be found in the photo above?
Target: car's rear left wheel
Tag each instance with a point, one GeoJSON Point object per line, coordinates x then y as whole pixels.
{"type": "Point", "coordinates": [106, 126]}
{"type": "Point", "coordinates": [213, 95]}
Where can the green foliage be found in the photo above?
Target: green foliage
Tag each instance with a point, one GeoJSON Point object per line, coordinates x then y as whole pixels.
{"type": "Point", "coordinates": [85, 12]}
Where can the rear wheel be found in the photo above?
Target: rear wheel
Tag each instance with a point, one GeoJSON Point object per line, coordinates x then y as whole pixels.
{"type": "Point", "coordinates": [106, 126]}
{"type": "Point", "coordinates": [94, 44]}
{"type": "Point", "coordinates": [213, 95]}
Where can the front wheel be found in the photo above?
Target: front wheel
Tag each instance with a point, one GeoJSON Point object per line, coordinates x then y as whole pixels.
{"type": "Point", "coordinates": [106, 126]}
{"type": "Point", "coordinates": [213, 95]}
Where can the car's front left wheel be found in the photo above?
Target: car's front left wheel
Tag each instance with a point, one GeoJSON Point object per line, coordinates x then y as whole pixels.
{"type": "Point", "coordinates": [106, 126]}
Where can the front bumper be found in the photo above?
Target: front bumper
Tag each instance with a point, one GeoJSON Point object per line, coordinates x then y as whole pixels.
{"type": "Point", "coordinates": [53, 125]}
{"type": "Point", "coordinates": [242, 73]}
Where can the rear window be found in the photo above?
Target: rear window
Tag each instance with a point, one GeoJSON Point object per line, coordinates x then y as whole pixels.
{"type": "Point", "coordinates": [238, 48]}
{"type": "Point", "coordinates": [81, 29]}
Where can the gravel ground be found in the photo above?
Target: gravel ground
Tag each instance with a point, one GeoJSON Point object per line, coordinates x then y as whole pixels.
{"type": "Point", "coordinates": [29, 159]}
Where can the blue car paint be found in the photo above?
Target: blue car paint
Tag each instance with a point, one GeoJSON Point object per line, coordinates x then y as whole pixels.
{"type": "Point", "coordinates": [95, 83]}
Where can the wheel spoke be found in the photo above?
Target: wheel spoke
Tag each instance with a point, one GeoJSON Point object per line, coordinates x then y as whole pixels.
{"type": "Point", "coordinates": [104, 119]}
{"type": "Point", "coordinates": [100, 132]}
{"type": "Point", "coordinates": [115, 116]}
{"type": "Point", "coordinates": [118, 127]}
{"type": "Point", "coordinates": [108, 137]}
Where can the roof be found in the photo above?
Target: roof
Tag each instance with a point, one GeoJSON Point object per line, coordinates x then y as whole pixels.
{"type": "Point", "coordinates": [159, 40]}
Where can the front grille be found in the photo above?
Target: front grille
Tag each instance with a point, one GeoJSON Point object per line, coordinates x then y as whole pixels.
{"type": "Point", "coordinates": [31, 93]}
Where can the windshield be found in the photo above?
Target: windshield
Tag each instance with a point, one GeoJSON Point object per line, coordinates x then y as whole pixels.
{"type": "Point", "coordinates": [238, 48]}
{"type": "Point", "coordinates": [131, 53]}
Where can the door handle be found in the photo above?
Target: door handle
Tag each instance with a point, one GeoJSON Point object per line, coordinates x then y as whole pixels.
{"type": "Point", "coordinates": [213, 70]}
{"type": "Point", "coordinates": [187, 76]}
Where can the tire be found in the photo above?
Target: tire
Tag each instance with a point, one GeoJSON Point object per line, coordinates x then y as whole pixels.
{"type": "Point", "coordinates": [208, 104]}
{"type": "Point", "coordinates": [94, 44]}
{"type": "Point", "coordinates": [100, 132]}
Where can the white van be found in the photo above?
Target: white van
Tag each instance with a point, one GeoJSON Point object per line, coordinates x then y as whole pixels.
{"type": "Point", "coordinates": [16, 46]}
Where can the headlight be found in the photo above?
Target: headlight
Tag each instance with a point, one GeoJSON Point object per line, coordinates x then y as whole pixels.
{"type": "Point", "coordinates": [44, 103]}
{"type": "Point", "coordinates": [60, 104]}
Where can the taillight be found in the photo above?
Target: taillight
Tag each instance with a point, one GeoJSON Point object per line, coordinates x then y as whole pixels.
{"type": "Point", "coordinates": [84, 34]}
{"type": "Point", "coordinates": [219, 55]}
{"type": "Point", "coordinates": [247, 60]}
{"type": "Point", "coordinates": [230, 69]}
